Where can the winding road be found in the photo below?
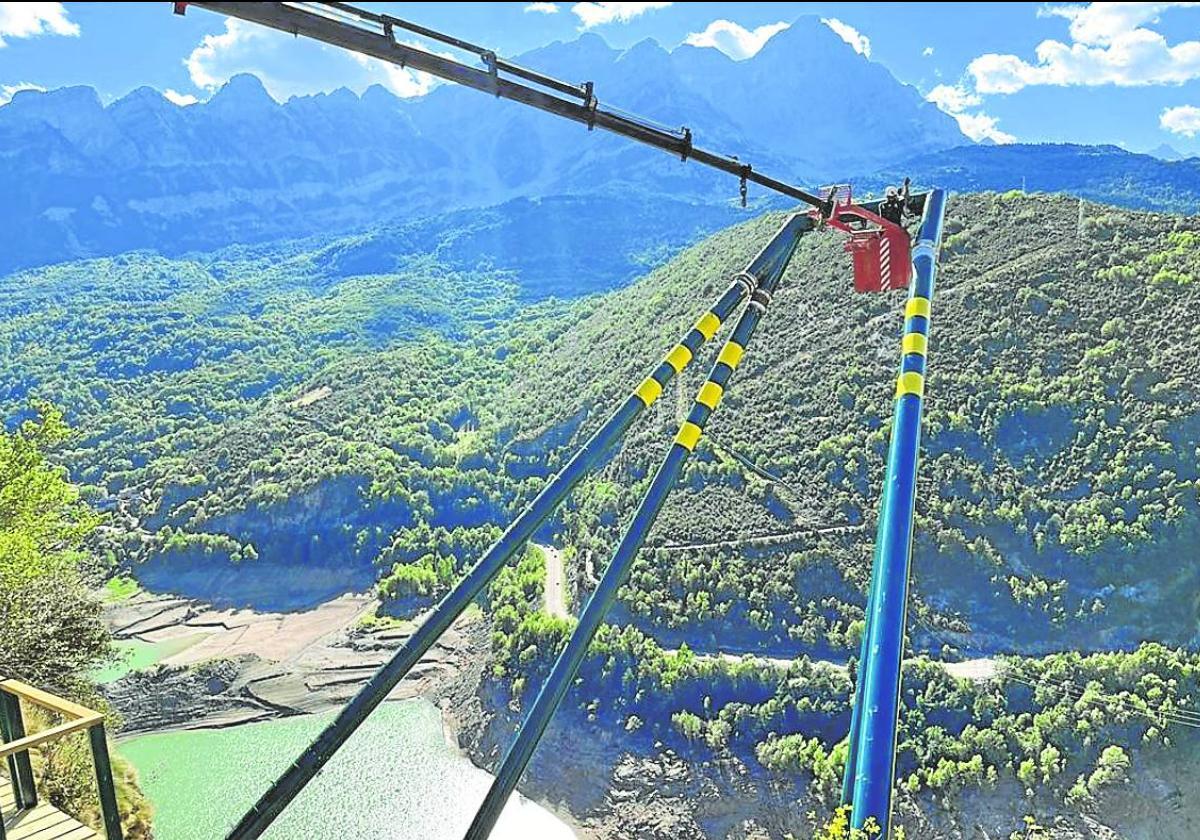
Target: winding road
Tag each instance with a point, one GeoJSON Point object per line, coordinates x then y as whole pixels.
{"type": "Point", "coordinates": [554, 597]}
{"type": "Point", "coordinates": [554, 602]}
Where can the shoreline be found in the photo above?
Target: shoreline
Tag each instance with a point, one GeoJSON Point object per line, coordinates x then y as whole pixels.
{"type": "Point", "coordinates": [318, 659]}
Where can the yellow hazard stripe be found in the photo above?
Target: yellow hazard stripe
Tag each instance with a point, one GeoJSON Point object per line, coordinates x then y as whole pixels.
{"type": "Point", "coordinates": [708, 326]}
{"type": "Point", "coordinates": [917, 306]}
{"type": "Point", "coordinates": [689, 434]}
{"type": "Point", "coordinates": [731, 354]}
{"type": "Point", "coordinates": [910, 383]}
{"type": "Point", "coordinates": [915, 343]}
{"type": "Point", "coordinates": [710, 394]}
{"type": "Point", "coordinates": [679, 357]}
{"type": "Point", "coordinates": [649, 391]}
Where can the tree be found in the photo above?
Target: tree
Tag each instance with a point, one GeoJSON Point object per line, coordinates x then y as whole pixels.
{"type": "Point", "coordinates": [1112, 768]}
{"type": "Point", "coordinates": [50, 628]}
{"type": "Point", "coordinates": [51, 634]}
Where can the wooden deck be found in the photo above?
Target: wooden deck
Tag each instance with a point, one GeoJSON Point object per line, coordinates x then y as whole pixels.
{"type": "Point", "coordinates": [41, 823]}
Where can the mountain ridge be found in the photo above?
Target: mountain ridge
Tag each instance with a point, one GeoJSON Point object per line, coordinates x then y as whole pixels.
{"type": "Point", "coordinates": [91, 179]}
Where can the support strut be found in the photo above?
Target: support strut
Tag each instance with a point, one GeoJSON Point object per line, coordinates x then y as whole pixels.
{"type": "Point", "coordinates": [871, 760]}
{"type": "Point", "coordinates": [302, 771]}
{"type": "Point", "coordinates": [569, 661]}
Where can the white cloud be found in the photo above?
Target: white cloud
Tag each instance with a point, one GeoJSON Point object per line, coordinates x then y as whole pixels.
{"type": "Point", "coordinates": [1182, 119]}
{"type": "Point", "coordinates": [202, 63]}
{"type": "Point", "coordinates": [735, 40]}
{"type": "Point", "coordinates": [180, 99]}
{"type": "Point", "coordinates": [1106, 23]}
{"type": "Point", "coordinates": [399, 80]}
{"type": "Point", "coordinates": [928, 51]}
{"type": "Point", "coordinates": [982, 127]}
{"type": "Point", "coordinates": [27, 20]}
{"type": "Point", "coordinates": [860, 42]}
{"type": "Point", "coordinates": [7, 92]}
{"type": "Point", "coordinates": [598, 14]}
{"type": "Point", "coordinates": [542, 8]}
{"type": "Point", "coordinates": [1110, 44]}
{"type": "Point", "coordinates": [955, 100]}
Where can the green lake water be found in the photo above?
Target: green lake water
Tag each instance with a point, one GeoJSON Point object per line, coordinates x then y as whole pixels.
{"type": "Point", "coordinates": [396, 778]}
{"type": "Point", "coordinates": [134, 655]}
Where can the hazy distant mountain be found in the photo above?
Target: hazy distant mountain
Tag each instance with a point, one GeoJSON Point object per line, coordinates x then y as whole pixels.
{"type": "Point", "coordinates": [1101, 173]}
{"type": "Point", "coordinates": [1165, 151]}
{"type": "Point", "coordinates": [85, 179]}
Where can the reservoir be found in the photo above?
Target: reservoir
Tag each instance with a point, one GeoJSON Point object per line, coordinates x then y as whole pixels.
{"type": "Point", "coordinates": [396, 778]}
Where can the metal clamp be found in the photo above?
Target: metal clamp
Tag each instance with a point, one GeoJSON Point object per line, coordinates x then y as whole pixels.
{"type": "Point", "coordinates": [742, 186]}
{"type": "Point", "coordinates": [590, 103]}
{"type": "Point", "coordinates": [493, 68]}
{"type": "Point", "coordinates": [686, 140]}
{"type": "Point", "coordinates": [747, 281]}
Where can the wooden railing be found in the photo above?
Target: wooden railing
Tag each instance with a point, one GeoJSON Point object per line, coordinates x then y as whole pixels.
{"type": "Point", "coordinates": [15, 746]}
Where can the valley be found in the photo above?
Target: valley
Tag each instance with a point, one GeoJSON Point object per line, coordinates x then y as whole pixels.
{"type": "Point", "coordinates": [294, 323]}
{"type": "Point", "coordinates": [293, 533]}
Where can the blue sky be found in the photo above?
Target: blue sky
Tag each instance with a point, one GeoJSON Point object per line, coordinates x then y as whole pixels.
{"type": "Point", "coordinates": [1122, 73]}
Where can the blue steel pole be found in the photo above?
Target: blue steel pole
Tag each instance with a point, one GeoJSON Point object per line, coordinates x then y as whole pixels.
{"type": "Point", "coordinates": [879, 674]}
{"type": "Point", "coordinates": [569, 661]}
{"type": "Point", "coordinates": [852, 749]}
{"type": "Point", "coordinates": [302, 771]}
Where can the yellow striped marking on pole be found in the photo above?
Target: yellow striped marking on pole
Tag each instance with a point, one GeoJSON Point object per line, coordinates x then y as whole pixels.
{"type": "Point", "coordinates": [731, 354]}
{"type": "Point", "coordinates": [679, 358]}
{"type": "Point", "coordinates": [917, 306]}
{"type": "Point", "coordinates": [649, 391]}
{"type": "Point", "coordinates": [710, 395]}
{"type": "Point", "coordinates": [915, 342]}
{"type": "Point", "coordinates": [910, 383]}
{"type": "Point", "coordinates": [689, 434]}
{"type": "Point", "coordinates": [708, 326]}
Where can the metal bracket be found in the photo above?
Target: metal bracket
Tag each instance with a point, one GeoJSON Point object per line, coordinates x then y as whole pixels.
{"type": "Point", "coordinates": [590, 102]}
{"type": "Point", "coordinates": [830, 204]}
{"type": "Point", "coordinates": [687, 143]}
{"type": "Point", "coordinates": [489, 59]}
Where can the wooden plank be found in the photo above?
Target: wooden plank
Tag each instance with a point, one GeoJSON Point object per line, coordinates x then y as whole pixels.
{"type": "Point", "coordinates": [47, 823]}
{"type": "Point", "coordinates": [47, 735]}
{"type": "Point", "coordinates": [43, 822]}
{"type": "Point", "coordinates": [37, 817]}
{"type": "Point", "coordinates": [47, 700]}
{"type": "Point", "coordinates": [54, 825]}
{"type": "Point", "coordinates": [80, 833]}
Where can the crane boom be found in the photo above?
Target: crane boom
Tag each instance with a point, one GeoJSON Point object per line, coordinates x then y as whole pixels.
{"type": "Point", "coordinates": [372, 34]}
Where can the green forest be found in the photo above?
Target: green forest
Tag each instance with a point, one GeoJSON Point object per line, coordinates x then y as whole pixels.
{"type": "Point", "coordinates": [262, 411]}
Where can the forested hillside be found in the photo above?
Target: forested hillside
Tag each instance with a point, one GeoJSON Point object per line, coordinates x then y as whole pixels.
{"type": "Point", "coordinates": [1060, 476]}
{"type": "Point", "coordinates": [272, 426]}
{"type": "Point", "coordinates": [1057, 505]}
{"type": "Point", "coordinates": [299, 402]}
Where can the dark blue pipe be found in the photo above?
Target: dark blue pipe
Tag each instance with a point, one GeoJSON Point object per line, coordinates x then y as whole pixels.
{"type": "Point", "coordinates": [567, 666]}
{"type": "Point", "coordinates": [302, 771]}
{"type": "Point", "coordinates": [877, 699]}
